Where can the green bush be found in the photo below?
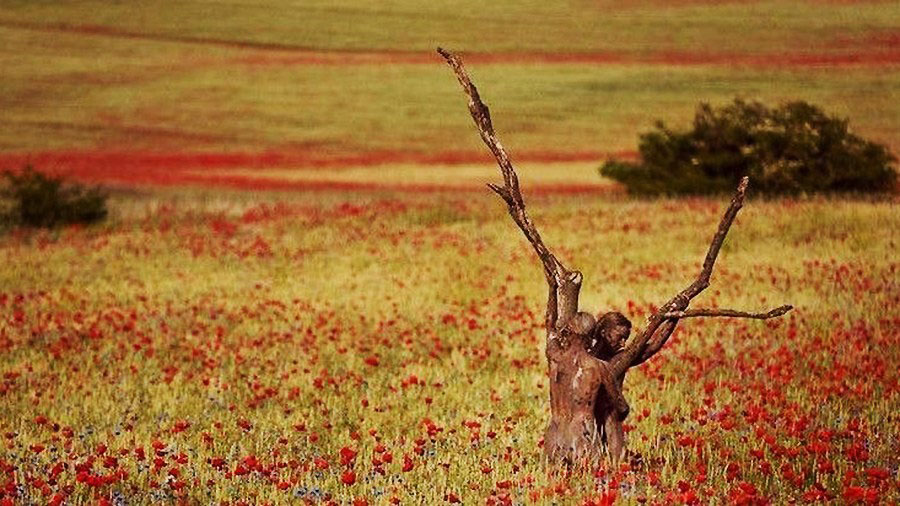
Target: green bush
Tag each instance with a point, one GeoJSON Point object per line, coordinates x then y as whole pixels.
{"type": "Point", "coordinates": [794, 148]}
{"type": "Point", "coordinates": [38, 200]}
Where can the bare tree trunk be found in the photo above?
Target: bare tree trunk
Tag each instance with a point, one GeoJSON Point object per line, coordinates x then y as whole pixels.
{"type": "Point", "coordinates": [586, 403]}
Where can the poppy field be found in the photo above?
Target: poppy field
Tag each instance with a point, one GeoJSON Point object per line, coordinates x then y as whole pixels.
{"type": "Point", "coordinates": [387, 348]}
{"type": "Point", "coordinates": [304, 293]}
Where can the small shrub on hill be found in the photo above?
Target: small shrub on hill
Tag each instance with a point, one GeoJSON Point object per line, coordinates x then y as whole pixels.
{"type": "Point", "coordinates": [794, 148]}
{"type": "Point", "coordinates": [35, 199]}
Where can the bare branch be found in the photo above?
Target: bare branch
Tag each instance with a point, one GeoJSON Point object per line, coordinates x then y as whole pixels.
{"type": "Point", "coordinates": [635, 351]}
{"type": "Point", "coordinates": [558, 277]}
{"type": "Point", "coordinates": [727, 219]}
{"type": "Point", "coordinates": [509, 192]}
{"type": "Point", "coordinates": [692, 313]}
{"type": "Point", "coordinates": [664, 331]}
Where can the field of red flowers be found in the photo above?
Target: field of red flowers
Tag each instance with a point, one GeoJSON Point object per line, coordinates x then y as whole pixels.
{"type": "Point", "coordinates": [305, 295]}
{"type": "Point", "coordinates": [386, 348]}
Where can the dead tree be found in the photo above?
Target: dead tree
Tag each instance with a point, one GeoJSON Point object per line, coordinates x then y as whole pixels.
{"type": "Point", "coordinates": [586, 406]}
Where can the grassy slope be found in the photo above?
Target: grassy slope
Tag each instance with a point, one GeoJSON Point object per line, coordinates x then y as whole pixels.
{"type": "Point", "coordinates": [574, 25]}
{"type": "Point", "coordinates": [150, 95]}
{"type": "Point", "coordinates": [76, 90]}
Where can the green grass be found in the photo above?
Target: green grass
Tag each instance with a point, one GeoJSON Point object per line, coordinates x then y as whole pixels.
{"type": "Point", "coordinates": [574, 25]}
{"type": "Point", "coordinates": [71, 90]}
{"type": "Point", "coordinates": [134, 100]}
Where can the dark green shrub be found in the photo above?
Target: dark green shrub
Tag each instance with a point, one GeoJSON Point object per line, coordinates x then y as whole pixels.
{"type": "Point", "coordinates": [794, 148]}
{"type": "Point", "coordinates": [38, 200]}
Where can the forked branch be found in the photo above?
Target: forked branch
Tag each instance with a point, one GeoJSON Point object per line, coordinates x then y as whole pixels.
{"type": "Point", "coordinates": [663, 322]}
{"type": "Point", "coordinates": [565, 284]}
{"type": "Point", "coordinates": [662, 334]}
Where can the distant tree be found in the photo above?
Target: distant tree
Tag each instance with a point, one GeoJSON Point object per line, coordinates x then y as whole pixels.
{"type": "Point", "coordinates": [35, 199]}
{"type": "Point", "coordinates": [791, 149]}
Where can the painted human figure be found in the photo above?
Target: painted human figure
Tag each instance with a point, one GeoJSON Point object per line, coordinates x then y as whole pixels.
{"type": "Point", "coordinates": [610, 407]}
{"type": "Point", "coordinates": [579, 381]}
